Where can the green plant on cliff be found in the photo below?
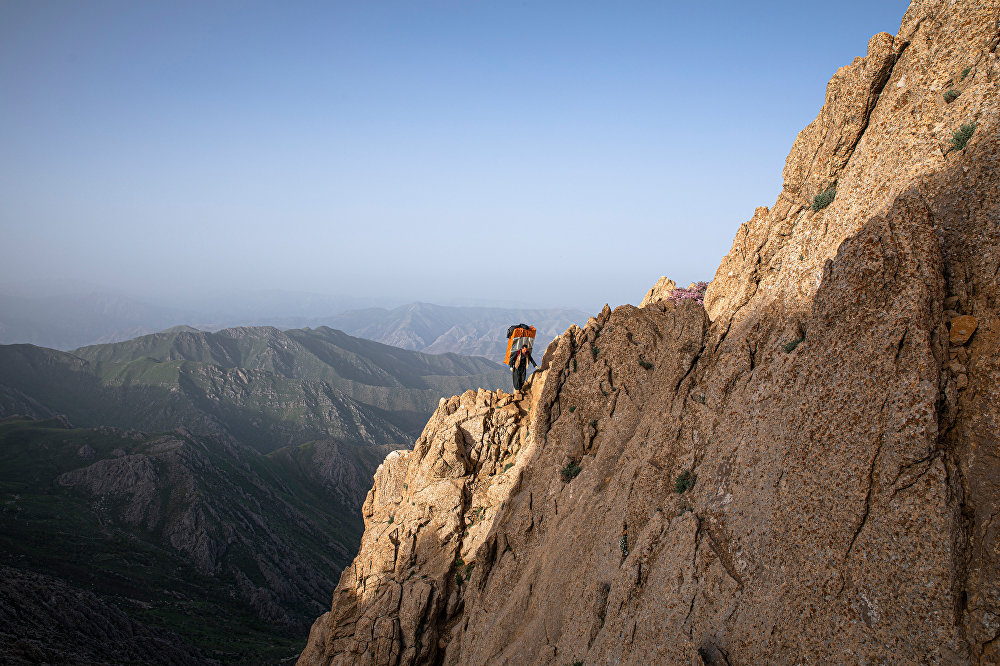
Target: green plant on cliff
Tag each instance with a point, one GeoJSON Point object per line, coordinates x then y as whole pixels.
{"type": "Point", "coordinates": [961, 136]}
{"type": "Point", "coordinates": [824, 198]}
{"type": "Point", "coordinates": [965, 73]}
{"type": "Point", "coordinates": [790, 346]}
{"type": "Point", "coordinates": [951, 95]}
{"type": "Point", "coordinates": [685, 482]}
{"type": "Point", "coordinates": [570, 471]}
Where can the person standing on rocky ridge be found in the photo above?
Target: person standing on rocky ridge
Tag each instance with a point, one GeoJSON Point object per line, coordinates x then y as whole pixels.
{"type": "Point", "coordinates": [519, 365]}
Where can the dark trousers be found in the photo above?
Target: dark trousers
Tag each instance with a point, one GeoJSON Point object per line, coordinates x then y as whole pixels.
{"type": "Point", "coordinates": [519, 372]}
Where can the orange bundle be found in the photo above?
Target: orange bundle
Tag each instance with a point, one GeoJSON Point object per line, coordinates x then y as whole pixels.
{"type": "Point", "coordinates": [519, 338]}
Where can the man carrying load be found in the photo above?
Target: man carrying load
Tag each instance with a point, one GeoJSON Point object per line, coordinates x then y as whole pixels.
{"type": "Point", "coordinates": [520, 340]}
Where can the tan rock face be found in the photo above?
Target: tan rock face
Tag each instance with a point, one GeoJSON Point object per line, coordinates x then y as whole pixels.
{"type": "Point", "coordinates": [663, 288]}
{"type": "Point", "coordinates": [962, 328]}
{"type": "Point", "coordinates": [806, 470]}
{"type": "Point", "coordinates": [426, 517]}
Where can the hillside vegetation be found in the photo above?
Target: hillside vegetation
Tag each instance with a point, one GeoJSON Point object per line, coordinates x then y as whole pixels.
{"type": "Point", "coordinates": [263, 387]}
{"type": "Point", "coordinates": [229, 549]}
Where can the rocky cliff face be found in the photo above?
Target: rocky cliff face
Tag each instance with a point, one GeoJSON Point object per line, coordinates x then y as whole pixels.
{"type": "Point", "coordinates": [806, 469]}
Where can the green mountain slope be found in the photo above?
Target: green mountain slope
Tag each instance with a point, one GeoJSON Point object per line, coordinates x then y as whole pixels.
{"type": "Point", "coordinates": [229, 531]}
{"type": "Point", "coordinates": [234, 551]}
{"type": "Point", "coordinates": [261, 386]}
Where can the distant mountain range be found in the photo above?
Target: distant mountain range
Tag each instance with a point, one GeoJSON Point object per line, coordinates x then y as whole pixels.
{"type": "Point", "coordinates": [436, 329]}
{"type": "Point", "coordinates": [70, 322]}
{"type": "Point", "coordinates": [199, 491]}
{"type": "Point", "coordinates": [263, 387]}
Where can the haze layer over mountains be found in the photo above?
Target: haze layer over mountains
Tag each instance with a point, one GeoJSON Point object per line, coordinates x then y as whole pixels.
{"type": "Point", "coordinates": [70, 321]}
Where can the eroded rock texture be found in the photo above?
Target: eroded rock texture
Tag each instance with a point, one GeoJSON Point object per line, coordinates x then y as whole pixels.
{"type": "Point", "coordinates": [806, 470]}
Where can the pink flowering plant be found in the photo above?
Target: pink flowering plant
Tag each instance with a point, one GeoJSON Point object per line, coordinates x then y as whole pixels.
{"type": "Point", "coordinates": [695, 293]}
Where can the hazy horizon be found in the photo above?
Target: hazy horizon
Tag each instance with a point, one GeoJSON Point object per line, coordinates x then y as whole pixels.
{"type": "Point", "coordinates": [563, 155]}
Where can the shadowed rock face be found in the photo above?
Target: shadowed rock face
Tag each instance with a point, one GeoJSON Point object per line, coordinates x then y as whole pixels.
{"type": "Point", "coordinates": [804, 470]}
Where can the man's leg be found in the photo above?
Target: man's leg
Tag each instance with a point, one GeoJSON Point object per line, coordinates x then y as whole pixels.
{"type": "Point", "coordinates": [519, 377]}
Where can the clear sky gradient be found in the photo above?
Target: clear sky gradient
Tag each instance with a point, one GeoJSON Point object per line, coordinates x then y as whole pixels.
{"type": "Point", "coordinates": [551, 153]}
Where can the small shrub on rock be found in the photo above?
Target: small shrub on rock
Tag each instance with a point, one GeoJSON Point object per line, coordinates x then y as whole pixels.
{"type": "Point", "coordinates": [951, 95]}
{"type": "Point", "coordinates": [695, 293]}
{"type": "Point", "coordinates": [790, 346]}
{"type": "Point", "coordinates": [961, 136]}
{"type": "Point", "coordinates": [965, 73]}
{"type": "Point", "coordinates": [685, 482]}
{"type": "Point", "coordinates": [570, 471]}
{"type": "Point", "coordinates": [824, 198]}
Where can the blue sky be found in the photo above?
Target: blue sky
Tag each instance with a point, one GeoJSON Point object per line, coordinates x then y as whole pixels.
{"type": "Point", "coordinates": [551, 153]}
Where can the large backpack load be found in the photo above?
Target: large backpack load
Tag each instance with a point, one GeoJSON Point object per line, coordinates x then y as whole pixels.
{"type": "Point", "coordinates": [519, 336]}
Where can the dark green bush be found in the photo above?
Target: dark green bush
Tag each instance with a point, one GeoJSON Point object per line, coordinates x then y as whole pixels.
{"type": "Point", "coordinates": [790, 346]}
{"type": "Point", "coordinates": [961, 136]}
{"type": "Point", "coordinates": [594, 350]}
{"type": "Point", "coordinates": [570, 471]}
{"type": "Point", "coordinates": [824, 198]}
{"type": "Point", "coordinates": [685, 482]}
{"type": "Point", "coordinates": [572, 409]}
{"type": "Point", "coordinates": [507, 466]}
{"type": "Point", "coordinates": [951, 95]}
{"type": "Point", "coordinates": [965, 73]}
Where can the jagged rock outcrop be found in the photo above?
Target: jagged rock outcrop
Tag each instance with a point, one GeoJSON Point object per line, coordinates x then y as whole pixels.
{"type": "Point", "coordinates": [428, 514]}
{"type": "Point", "coordinates": [663, 288]}
{"type": "Point", "coordinates": [804, 470]}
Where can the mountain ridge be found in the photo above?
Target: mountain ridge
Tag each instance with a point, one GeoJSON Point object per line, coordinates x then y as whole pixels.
{"type": "Point", "coordinates": [803, 469]}
{"type": "Point", "coordinates": [330, 383]}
